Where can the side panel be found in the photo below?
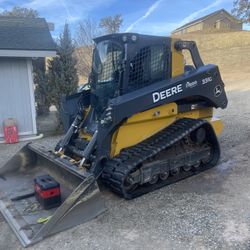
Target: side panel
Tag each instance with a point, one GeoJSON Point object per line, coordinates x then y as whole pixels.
{"type": "Point", "coordinates": [143, 125]}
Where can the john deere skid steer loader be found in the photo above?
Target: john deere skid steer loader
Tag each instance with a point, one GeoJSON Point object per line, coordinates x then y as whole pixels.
{"type": "Point", "coordinates": [146, 122]}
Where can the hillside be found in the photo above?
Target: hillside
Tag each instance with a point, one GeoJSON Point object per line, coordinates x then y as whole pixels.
{"type": "Point", "coordinates": [230, 51]}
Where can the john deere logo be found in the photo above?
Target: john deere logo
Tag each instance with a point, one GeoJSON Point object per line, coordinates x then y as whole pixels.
{"type": "Point", "coordinates": [217, 90]}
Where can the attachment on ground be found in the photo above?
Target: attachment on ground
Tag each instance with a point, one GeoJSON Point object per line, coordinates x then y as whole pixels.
{"type": "Point", "coordinates": [81, 198]}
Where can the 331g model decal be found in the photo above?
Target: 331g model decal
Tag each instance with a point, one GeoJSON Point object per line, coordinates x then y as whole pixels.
{"type": "Point", "coordinates": [207, 80]}
{"type": "Point", "coordinates": [158, 96]}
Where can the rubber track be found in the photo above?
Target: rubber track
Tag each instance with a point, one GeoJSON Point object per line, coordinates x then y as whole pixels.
{"type": "Point", "coordinates": [117, 169]}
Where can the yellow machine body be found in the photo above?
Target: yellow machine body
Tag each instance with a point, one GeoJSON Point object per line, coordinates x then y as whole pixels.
{"type": "Point", "coordinates": [144, 125]}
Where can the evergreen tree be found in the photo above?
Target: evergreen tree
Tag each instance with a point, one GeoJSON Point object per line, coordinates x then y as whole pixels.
{"type": "Point", "coordinates": [41, 96]}
{"type": "Point", "coordinates": [62, 75]}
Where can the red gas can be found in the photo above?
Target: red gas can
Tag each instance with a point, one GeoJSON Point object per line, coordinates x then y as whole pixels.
{"type": "Point", "coordinates": [10, 131]}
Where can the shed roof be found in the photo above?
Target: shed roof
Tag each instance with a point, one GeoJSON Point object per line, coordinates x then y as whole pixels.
{"type": "Point", "coordinates": [30, 34]}
{"type": "Point", "coordinates": [204, 18]}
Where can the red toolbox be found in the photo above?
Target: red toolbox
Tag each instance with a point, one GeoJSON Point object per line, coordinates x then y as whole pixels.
{"type": "Point", "coordinates": [10, 131]}
{"type": "Point", "coordinates": [47, 191]}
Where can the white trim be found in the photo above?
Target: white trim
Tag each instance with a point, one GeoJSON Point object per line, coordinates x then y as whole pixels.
{"type": "Point", "coordinates": [26, 133]}
{"type": "Point", "coordinates": [27, 53]}
{"type": "Point", "coordinates": [28, 138]}
{"type": "Point", "coordinates": [32, 97]}
{"type": "Point", "coordinates": [21, 133]}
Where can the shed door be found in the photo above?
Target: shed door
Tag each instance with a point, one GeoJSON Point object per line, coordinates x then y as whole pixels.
{"type": "Point", "coordinates": [16, 94]}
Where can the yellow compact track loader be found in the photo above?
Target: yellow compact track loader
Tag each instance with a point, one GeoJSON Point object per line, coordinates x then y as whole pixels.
{"type": "Point", "coordinates": [145, 122]}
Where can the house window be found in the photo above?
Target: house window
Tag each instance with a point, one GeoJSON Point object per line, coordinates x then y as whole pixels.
{"type": "Point", "coordinates": [217, 25]}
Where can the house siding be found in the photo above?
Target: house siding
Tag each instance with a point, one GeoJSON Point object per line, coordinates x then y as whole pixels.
{"type": "Point", "coordinates": [16, 95]}
{"type": "Point", "coordinates": [194, 28]}
{"type": "Point", "coordinates": [221, 21]}
{"type": "Point", "coordinates": [225, 23]}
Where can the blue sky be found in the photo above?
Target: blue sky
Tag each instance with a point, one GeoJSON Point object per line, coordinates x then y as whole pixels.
{"type": "Point", "coordinates": [157, 17]}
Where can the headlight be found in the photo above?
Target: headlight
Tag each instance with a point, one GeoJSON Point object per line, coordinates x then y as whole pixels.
{"type": "Point", "coordinates": [124, 38]}
{"type": "Point", "coordinates": [133, 38]}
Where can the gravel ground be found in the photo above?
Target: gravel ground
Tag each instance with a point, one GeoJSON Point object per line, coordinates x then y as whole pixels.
{"type": "Point", "coordinates": [208, 211]}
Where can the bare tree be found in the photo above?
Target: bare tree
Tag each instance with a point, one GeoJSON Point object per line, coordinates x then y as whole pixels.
{"type": "Point", "coordinates": [241, 10]}
{"type": "Point", "coordinates": [20, 12]}
{"type": "Point", "coordinates": [87, 30]}
{"type": "Point", "coordinates": [111, 24]}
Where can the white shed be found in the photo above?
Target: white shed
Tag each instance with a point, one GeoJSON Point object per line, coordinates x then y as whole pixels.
{"type": "Point", "coordinates": [21, 39]}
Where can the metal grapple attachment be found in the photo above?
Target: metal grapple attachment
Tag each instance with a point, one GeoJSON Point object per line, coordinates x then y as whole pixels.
{"type": "Point", "coordinates": [81, 198]}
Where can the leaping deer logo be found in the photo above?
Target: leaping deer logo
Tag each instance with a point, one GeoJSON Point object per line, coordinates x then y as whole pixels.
{"type": "Point", "coordinates": [217, 90]}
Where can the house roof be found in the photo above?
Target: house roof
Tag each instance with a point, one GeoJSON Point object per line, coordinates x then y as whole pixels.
{"type": "Point", "coordinates": [30, 34]}
{"type": "Point", "coordinates": [204, 18]}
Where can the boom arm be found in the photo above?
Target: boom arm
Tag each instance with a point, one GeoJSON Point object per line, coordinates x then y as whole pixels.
{"type": "Point", "coordinates": [192, 48]}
